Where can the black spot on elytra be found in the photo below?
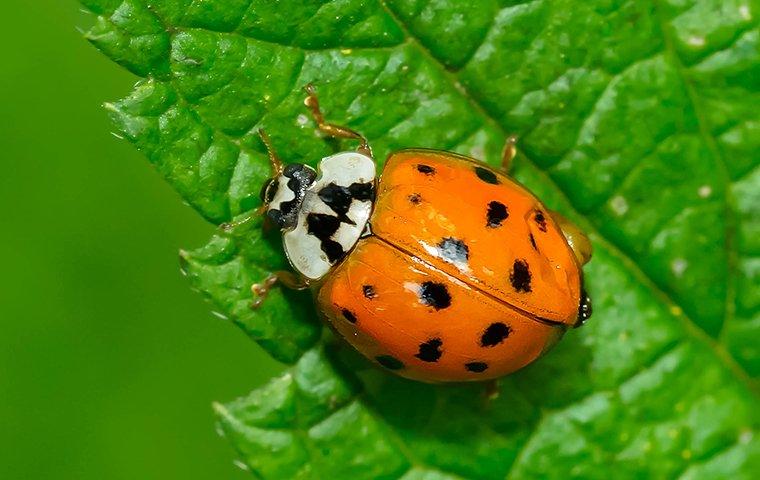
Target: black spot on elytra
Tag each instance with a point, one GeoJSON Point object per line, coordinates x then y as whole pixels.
{"type": "Point", "coordinates": [435, 295]}
{"type": "Point", "coordinates": [339, 198]}
{"type": "Point", "coordinates": [430, 351]}
{"type": "Point", "coordinates": [453, 250]}
{"type": "Point", "coordinates": [369, 291]}
{"type": "Point", "coordinates": [540, 220]}
{"type": "Point", "coordinates": [497, 213]}
{"type": "Point", "coordinates": [486, 175]}
{"type": "Point", "coordinates": [323, 227]}
{"type": "Point", "coordinates": [520, 276]}
{"type": "Point", "coordinates": [415, 198]}
{"type": "Point", "coordinates": [426, 169]}
{"type": "Point", "coordinates": [532, 241]}
{"type": "Point", "coordinates": [476, 367]}
{"type": "Point", "coordinates": [390, 362]}
{"type": "Point", "coordinates": [348, 315]}
{"type": "Point", "coordinates": [584, 309]}
{"type": "Point", "coordinates": [495, 334]}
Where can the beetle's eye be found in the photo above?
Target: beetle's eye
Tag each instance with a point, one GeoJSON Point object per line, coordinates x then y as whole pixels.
{"type": "Point", "coordinates": [267, 193]}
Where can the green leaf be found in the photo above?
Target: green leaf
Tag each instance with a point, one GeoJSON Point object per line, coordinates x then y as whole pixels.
{"type": "Point", "coordinates": [637, 119]}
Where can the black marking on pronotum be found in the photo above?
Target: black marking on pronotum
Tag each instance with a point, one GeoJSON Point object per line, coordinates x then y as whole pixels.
{"type": "Point", "coordinates": [532, 241]}
{"type": "Point", "coordinates": [415, 198]}
{"type": "Point", "coordinates": [339, 198]}
{"type": "Point", "coordinates": [540, 220]}
{"type": "Point", "coordinates": [453, 250]}
{"type": "Point", "coordinates": [435, 295]}
{"type": "Point", "coordinates": [430, 351]}
{"type": "Point", "coordinates": [390, 362]}
{"type": "Point", "coordinates": [348, 315]}
{"type": "Point", "coordinates": [520, 276]}
{"type": "Point", "coordinates": [476, 367]}
{"type": "Point", "coordinates": [300, 177]}
{"type": "Point", "coordinates": [323, 227]}
{"type": "Point", "coordinates": [497, 213]}
{"type": "Point", "coordinates": [426, 169]}
{"type": "Point", "coordinates": [369, 291]}
{"type": "Point", "coordinates": [495, 334]}
{"type": "Point", "coordinates": [486, 175]}
{"type": "Point", "coordinates": [333, 250]}
{"type": "Point", "coordinates": [584, 309]}
{"type": "Point", "coordinates": [363, 192]}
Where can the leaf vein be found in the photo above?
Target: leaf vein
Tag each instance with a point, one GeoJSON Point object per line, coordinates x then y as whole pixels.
{"type": "Point", "coordinates": [712, 147]}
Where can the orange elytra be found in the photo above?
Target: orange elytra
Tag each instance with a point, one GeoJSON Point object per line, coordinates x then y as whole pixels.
{"type": "Point", "coordinates": [440, 269]}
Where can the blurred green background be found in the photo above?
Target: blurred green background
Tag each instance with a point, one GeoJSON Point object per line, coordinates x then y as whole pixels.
{"type": "Point", "coordinates": [108, 362]}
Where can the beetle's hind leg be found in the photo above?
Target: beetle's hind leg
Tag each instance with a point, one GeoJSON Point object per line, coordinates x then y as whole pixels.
{"type": "Point", "coordinates": [337, 131]}
{"type": "Point", "coordinates": [287, 279]}
{"type": "Point", "coordinates": [491, 391]}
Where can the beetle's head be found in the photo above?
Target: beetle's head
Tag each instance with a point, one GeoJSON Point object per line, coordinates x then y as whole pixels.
{"type": "Point", "coordinates": [283, 194]}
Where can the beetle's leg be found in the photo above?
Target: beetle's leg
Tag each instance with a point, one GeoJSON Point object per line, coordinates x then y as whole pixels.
{"type": "Point", "coordinates": [250, 215]}
{"type": "Point", "coordinates": [287, 279]}
{"type": "Point", "coordinates": [578, 241]}
{"type": "Point", "coordinates": [492, 390]}
{"type": "Point", "coordinates": [508, 153]}
{"type": "Point", "coordinates": [274, 159]}
{"type": "Point", "coordinates": [337, 131]}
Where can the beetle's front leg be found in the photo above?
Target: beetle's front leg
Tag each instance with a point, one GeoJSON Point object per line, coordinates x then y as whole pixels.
{"type": "Point", "coordinates": [337, 131]}
{"type": "Point", "coordinates": [287, 279]}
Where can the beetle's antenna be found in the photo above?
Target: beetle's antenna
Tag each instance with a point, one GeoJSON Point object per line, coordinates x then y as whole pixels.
{"type": "Point", "coordinates": [274, 159]}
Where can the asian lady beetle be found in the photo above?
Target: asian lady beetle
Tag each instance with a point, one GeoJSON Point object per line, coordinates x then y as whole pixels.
{"type": "Point", "coordinates": [442, 269]}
